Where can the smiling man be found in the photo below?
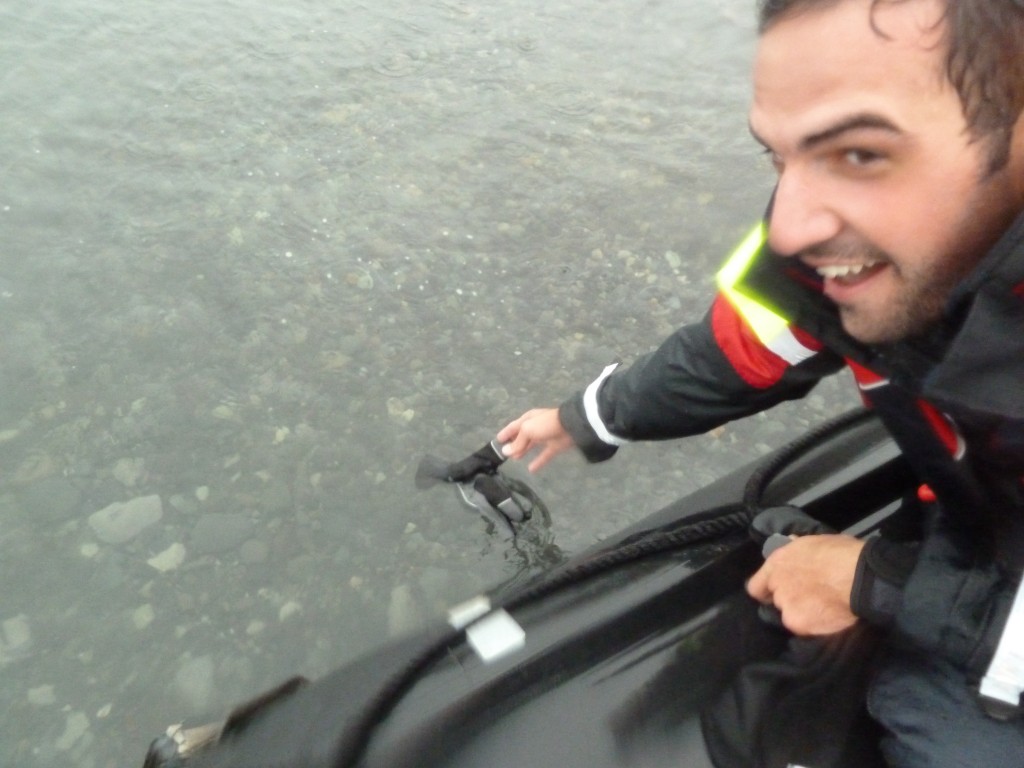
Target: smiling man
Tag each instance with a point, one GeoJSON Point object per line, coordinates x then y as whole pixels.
{"type": "Point", "coordinates": [893, 245]}
{"type": "Point", "coordinates": [884, 189]}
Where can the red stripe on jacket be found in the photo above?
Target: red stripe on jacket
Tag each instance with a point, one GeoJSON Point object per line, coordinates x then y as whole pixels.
{"type": "Point", "coordinates": [944, 429]}
{"type": "Point", "coordinates": [757, 365]}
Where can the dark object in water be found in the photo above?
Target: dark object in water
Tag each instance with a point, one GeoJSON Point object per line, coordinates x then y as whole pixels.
{"type": "Point", "coordinates": [501, 501]}
{"type": "Point", "coordinates": [485, 461]}
{"type": "Point", "coordinates": [608, 660]}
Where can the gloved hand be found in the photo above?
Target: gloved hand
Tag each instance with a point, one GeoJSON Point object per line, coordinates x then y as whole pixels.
{"type": "Point", "coordinates": [433, 470]}
{"type": "Point", "coordinates": [481, 486]}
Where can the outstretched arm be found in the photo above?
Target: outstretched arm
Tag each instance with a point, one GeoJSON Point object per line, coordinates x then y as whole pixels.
{"type": "Point", "coordinates": [689, 385]}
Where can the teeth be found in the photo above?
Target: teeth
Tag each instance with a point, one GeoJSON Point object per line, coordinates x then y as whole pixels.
{"type": "Point", "coordinates": [844, 270]}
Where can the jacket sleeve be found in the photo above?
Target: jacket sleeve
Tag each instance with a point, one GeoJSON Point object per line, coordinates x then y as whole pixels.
{"type": "Point", "coordinates": [882, 572]}
{"type": "Point", "coordinates": [701, 377]}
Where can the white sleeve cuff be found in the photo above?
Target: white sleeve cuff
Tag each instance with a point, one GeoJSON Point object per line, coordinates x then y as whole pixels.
{"type": "Point", "coordinates": [591, 411]}
{"type": "Point", "coordinates": [1005, 677]}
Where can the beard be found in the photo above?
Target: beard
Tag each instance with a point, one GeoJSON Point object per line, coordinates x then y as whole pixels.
{"type": "Point", "coordinates": [913, 312]}
{"type": "Point", "coordinates": [914, 297]}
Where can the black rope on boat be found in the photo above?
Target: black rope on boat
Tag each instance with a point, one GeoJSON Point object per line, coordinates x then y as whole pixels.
{"type": "Point", "coordinates": [763, 476]}
{"type": "Point", "coordinates": [357, 737]}
{"type": "Point", "coordinates": [713, 525]}
{"type": "Point", "coordinates": [702, 528]}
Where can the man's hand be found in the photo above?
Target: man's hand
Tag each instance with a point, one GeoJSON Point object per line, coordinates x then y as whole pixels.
{"type": "Point", "coordinates": [539, 428]}
{"type": "Point", "coordinates": [810, 580]}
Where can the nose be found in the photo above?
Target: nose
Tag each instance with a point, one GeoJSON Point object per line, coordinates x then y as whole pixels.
{"type": "Point", "coordinates": [800, 217]}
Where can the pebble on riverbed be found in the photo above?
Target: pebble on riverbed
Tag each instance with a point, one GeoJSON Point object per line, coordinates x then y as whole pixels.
{"type": "Point", "coordinates": [121, 522]}
{"type": "Point", "coordinates": [15, 639]}
{"type": "Point", "coordinates": [170, 559]}
{"type": "Point", "coordinates": [217, 533]}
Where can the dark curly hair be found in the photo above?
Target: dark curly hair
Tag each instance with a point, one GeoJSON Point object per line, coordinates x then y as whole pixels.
{"type": "Point", "coordinates": [984, 61]}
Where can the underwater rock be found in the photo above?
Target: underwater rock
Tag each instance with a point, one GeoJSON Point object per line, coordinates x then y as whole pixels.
{"type": "Point", "coordinates": [169, 559]}
{"type": "Point", "coordinates": [217, 533]}
{"type": "Point", "coordinates": [42, 696]}
{"type": "Point", "coordinates": [254, 552]}
{"type": "Point", "coordinates": [398, 411]}
{"type": "Point", "coordinates": [52, 498]}
{"type": "Point", "coordinates": [76, 727]}
{"type": "Point", "coordinates": [403, 613]}
{"type": "Point", "coordinates": [143, 616]}
{"type": "Point", "coordinates": [128, 472]}
{"type": "Point", "coordinates": [194, 682]}
{"type": "Point", "coordinates": [288, 610]}
{"type": "Point", "coordinates": [15, 639]}
{"type": "Point", "coordinates": [123, 521]}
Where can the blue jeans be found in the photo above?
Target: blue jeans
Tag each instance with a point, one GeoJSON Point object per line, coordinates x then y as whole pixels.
{"type": "Point", "coordinates": [932, 718]}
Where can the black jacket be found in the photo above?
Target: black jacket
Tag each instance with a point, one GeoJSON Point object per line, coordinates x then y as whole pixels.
{"type": "Point", "coordinates": [953, 400]}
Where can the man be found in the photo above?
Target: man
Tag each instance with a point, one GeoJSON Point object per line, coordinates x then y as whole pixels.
{"type": "Point", "coordinates": [894, 244]}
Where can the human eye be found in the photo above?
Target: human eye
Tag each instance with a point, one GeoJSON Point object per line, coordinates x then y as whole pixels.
{"type": "Point", "coordinates": [859, 159]}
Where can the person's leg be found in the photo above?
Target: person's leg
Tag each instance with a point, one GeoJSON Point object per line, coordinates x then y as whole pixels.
{"type": "Point", "coordinates": [932, 719]}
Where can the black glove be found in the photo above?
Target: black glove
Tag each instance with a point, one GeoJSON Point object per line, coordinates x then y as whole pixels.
{"type": "Point", "coordinates": [784, 521]}
{"type": "Point", "coordinates": [482, 487]}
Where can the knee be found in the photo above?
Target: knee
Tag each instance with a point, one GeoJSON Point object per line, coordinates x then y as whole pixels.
{"type": "Point", "coordinates": [931, 718]}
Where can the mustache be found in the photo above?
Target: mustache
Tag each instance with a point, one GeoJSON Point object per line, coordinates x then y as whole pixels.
{"type": "Point", "coordinates": [846, 249]}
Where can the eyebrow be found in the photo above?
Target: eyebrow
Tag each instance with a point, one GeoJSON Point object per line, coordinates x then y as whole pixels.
{"type": "Point", "coordinates": [862, 121]}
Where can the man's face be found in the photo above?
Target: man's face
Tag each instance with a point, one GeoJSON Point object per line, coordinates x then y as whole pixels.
{"type": "Point", "coordinates": [881, 188]}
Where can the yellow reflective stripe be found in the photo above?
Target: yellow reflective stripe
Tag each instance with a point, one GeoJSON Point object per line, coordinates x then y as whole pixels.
{"type": "Point", "coordinates": [739, 262]}
{"type": "Point", "coordinates": [766, 324]}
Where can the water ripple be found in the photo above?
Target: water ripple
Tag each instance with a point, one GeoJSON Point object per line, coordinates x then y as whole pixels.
{"type": "Point", "coordinates": [568, 100]}
{"type": "Point", "coordinates": [266, 51]}
{"type": "Point", "coordinates": [526, 44]}
{"type": "Point", "coordinates": [198, 90]}
{"type": "Point", "coordinates": [455, 6]}
{"type": "Point", "coordinates": [397, 63]}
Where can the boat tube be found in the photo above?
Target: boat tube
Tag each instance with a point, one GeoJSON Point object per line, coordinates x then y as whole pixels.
{"type": "Point", "coordinates": [606, 661]}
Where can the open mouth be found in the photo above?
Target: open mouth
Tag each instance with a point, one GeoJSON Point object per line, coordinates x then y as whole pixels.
{"type": "Point", "coordinates": [850, 274]}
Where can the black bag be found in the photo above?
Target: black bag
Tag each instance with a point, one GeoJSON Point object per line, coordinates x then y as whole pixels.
{"type": "Point", "coordinates": [805, 707]}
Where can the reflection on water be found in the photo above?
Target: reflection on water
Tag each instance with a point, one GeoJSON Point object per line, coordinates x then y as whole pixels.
{"type": "Point", "coordinates": [255, 262]}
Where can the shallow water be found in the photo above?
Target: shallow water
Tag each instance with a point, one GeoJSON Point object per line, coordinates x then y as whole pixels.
{"type": "Point", "coordinates": [255, 262]}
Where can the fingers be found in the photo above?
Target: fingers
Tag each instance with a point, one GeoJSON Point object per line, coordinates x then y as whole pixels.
{"type": "Point", "coordinates": [810, 581]}
{"type": "Point", "coordinates": [513, 431]}
{"type": "Point", "coordinates": [508, 433]}
{"type": "Point", "coordinates": [757, 586]}
{"type": "Point", "coordinates": [517, 437]}
{"type": "Point", "coordinates": [543, 458]}
{"type": "Point", "coordinates": [538, 428]}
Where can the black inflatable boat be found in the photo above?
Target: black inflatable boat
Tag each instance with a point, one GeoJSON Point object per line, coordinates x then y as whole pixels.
{"type": "Point", "coordinates": [606, 661]}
